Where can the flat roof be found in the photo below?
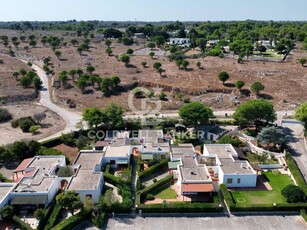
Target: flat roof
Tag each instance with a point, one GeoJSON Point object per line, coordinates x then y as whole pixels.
{"type": "Point", "coordinates": [85, 180]}
{"type": "Point", "coordinates": [230, 166]}
{"type": "Point", "coordinates": [155, 147]}
{"type": "Point", "coordinates": [150, 135]}
{"type": "Point", "coordinates": [221, 150]}
{"type": "Point", "coordinates": [39, 176]}
{"type": "Point", "coordinates": [120, 151]}
{"type": "Point", "coordinates": [36, 184]}
{"type": "Point", "coordinates": [5, 189]}
{"type": "Point", "coordinates": [196, 173]}
{"type": "Point", "coordinates": [88, 159]}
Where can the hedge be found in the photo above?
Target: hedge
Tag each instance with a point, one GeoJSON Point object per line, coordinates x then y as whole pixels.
{"type": "Point", "coordinates": [180, 207]}
{"type": "Point", "coordinates": [226, 194]}
{"type": "Point", "coordinates": [71, 222]}
{"type": "Point", "coordinates": [154, 168]}
{"type": "Point", "coordinates": [51, 142]}
{"type": "Point", "coordinates": [156, 186]}
{"type": "Point", "coordinates": [53, 217]}
{"type": "Point", "coordinates": [268, 207]}
{"type": "Point", "coordinates": [20, 223]}
{"type": "Point", "coordinates": [296, 173]}
{"type": "Point", "coordinates": [108, 177]}
{"type": "Point", "coordinates": [43, 220]}
{"type": "Point", "coordinates": [303, 214]}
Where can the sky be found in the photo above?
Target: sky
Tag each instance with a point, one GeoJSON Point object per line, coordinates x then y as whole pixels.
{"type": "Point", "coordinates": [153, 10]}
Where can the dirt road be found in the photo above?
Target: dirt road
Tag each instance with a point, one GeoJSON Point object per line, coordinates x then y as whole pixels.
{"type": "Point", "coordinates": [71, 118]}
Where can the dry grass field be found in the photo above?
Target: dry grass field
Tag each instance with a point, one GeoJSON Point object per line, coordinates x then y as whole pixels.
{"type": "Point", "coordinates": [284, 82]}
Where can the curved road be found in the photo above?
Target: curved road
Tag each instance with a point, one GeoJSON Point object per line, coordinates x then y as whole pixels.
{"type": "Point", "coordinates": [71, 118]}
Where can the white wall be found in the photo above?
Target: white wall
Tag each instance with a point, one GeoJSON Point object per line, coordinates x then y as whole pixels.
{"type": "Point", "coordinates": [94, 193]}
{"type": "Point", "coordinates": [247, 180]}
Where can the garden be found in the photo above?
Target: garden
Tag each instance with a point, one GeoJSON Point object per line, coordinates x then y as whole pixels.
{"type": "Point", "coordinates": [277, 181]}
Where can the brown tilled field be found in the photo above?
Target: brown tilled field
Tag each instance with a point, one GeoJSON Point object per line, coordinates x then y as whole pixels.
{"type": "Point", "coordinates": [284, 82]}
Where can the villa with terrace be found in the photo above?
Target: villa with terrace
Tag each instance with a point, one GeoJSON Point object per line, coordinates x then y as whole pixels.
{"type": "Point", "coordinates": [39, 183]}
{"type": "Point", "coordinates": [196, 173]}
{"type": "Point", "coordinates": [87, 180]}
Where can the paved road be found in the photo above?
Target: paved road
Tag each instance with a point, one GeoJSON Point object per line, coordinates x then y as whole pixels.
{"type": "Point", "coordinates": [220, 113]}
{"type": "Point", "coordinates": [251, 222]}
{"type": "Point", "coordinates": [71, 117]}
{"type": "Point", "coordinates": [297, 145]}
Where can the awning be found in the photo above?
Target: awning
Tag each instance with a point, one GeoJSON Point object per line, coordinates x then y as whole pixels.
{"type": "Point", "coordinates": [147, 156]}
{"type": "Point", "coordinates": [197, 188]}
{"type": "Point", "coordinates": [29, 200]}
{"type": "Point", "coordinates": [173, 164]}
{"type": "Point", "coordinates": [270, 166]}
{"type": "Point", "coordinates": [122, 162]}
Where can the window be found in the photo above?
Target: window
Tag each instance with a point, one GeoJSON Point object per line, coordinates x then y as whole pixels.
{"type": "Point", "coordinates": [229, 181]}
{"type": "Point", "coordinates": [112, 162]}
{"type": "Point", "coordinates": [239, 180]}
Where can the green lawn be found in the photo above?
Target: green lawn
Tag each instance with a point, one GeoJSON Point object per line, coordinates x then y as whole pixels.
{"type": "Point", "coordinates": [167, 193]}
{"type": "Point", "coordinates": [277, 182]}
{"type": "Point", "coordinates": [269, 53]}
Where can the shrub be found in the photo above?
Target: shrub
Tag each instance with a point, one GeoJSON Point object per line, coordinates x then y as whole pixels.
{"type": "Point", "coordinates": [53, 217]}
{"type": "Point", "coordinates": [24, 123]}
{"type": "Point", "coordinates": [71, 222]}
{"type": "Point", "coordinates": [303, 214]}
{"type": "Point", "coordinates": [5, 115]}
{"type": "Point", "coordinates": [68, 139]}
{"type": "Point", "coordinates": [226, 195]}
{"type": "Point", "coordinates": [296, 172]}
{"type": "Point", "coordinates": [180, 207]}
{"type": "Point", "coordinates": [65, 172]}
{"type": "Point", "coordinates": [162, 164]}
{"type": "Point", "coordinates": [154, 180]}
{"type": "Point", "coordinates": [186, 100]}
{"type": "Point", "coordinates": [33, 129]}
{"type": "Point", "coordinates": [150, 197]}
{"type": "Point", "coordinates": [226, 139]}
{"type": "Point", "coordinates": [158, 186]}
{"type": "Point", "coordinates": [293, 193]}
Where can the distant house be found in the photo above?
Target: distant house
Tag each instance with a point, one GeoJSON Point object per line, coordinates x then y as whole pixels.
{"type": "Point", "coordinates": [139, 35]}
{"type": "Point", "coordinates": [99, 35]}
{"type": "Point", "coordinates": [266, 43]}
{"type": "Point", "coordinates": [184, 42]}
{"type": "Point", "coordinates": [211, 43]}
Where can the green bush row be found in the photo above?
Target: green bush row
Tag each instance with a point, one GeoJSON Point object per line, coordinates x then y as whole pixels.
{"type": "Point", "coordinates": [303, 214]}
{"type": "Point", "coordinates": [20, 223]}
{"type": "Point", "coordinates": [53, 217]}
{"type": "Point", "coordinates": [154, 187]}
{"type": "Point", "coordinates": [51, 142]}
{"type": "Point", "coordinates": [71, 222]}
{"type": "Point", "coordinates": [154, 168]}
{"type": "Point", "coordinates": [108, 177]}
{"type": "Point", "coordinates": [267, 207]}
{"type": "Point", "coordinates": [226, 194]}
{"type": "Point", "coordinates": [296, 173]}
{"type": "Point", "coordinates": [180, 207]}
